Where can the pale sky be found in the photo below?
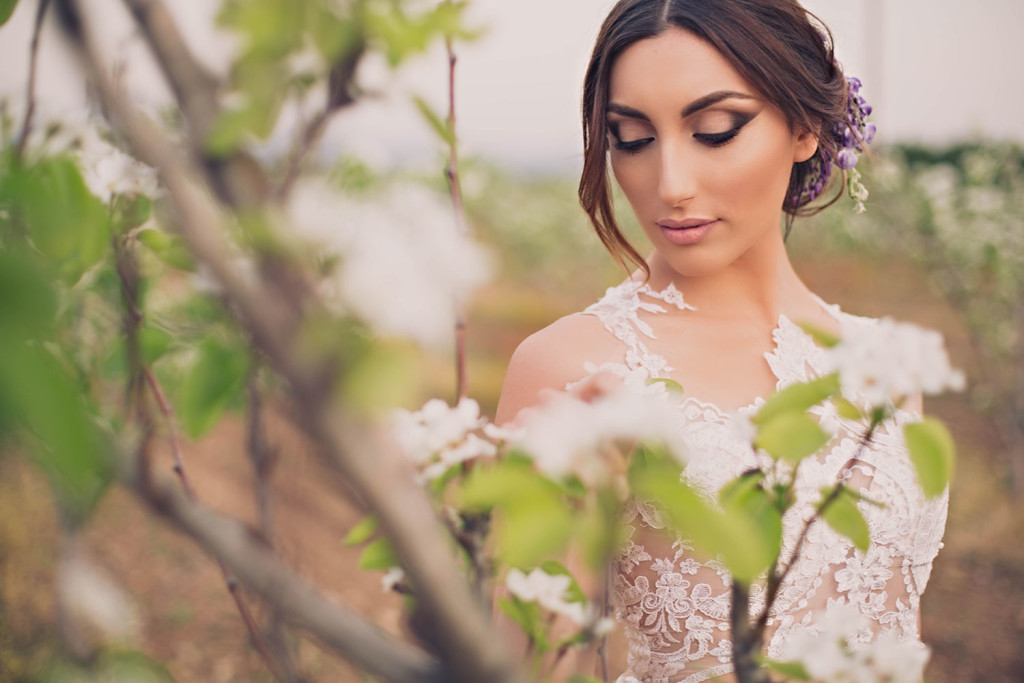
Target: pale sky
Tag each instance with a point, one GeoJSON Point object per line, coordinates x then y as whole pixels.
{"type": "Point", "coordinates": [937, 70]}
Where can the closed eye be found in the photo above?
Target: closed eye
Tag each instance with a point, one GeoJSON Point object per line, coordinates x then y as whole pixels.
{"type": "Point", "coordinates": [632, 146]}
{"type": "Point", "coordinates": [717, 139]}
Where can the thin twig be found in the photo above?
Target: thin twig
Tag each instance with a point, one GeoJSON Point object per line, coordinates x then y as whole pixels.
{"type": "Point", "coordinates": [452, 174]}
{"type": "Point", "coordinates": [263, 458]}
{"type": "Point", "coordinates": [236, 178]}
{"type": "Point", "coordinates": [602, 648]}
{"type": "Point", "coordinates": [30, 97]}
{"type": "Point", "coordinates": [339, 95]}
{"type": "Point", "coordinates": [186, 484]}
{"type": "Point", "coordinates": [775, 581]}
{"type": "Point", "coordinates": [127, 270]}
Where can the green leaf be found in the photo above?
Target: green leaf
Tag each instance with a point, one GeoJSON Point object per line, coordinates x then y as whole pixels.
{"type": "Point", "coordinates": [933, 453]}
{"type": "Point", "coordinates": [846, 409]}
{"type": "Point", "coordinates": [37, 392]}
{"type": "Point", "coordinates": [28, 303]}
{"type": "Point", "coordinates": [170, 249]}
{"type": "Point", "coordinates": [528, 616]}
{"type": "Point", "coordinates": [572, 594]}
{"type": "Point", "coordinates": [130, 212]}
{"type": "Point", "coordinates": [210, 385]}
{"type": "Point", "coordinates": [598, 530]}
{"type": "Point", "coordinates": [41, 401]}
{"type": "Point", "coordinates": [531, 522]}
{"type": "Point", "coordinates": [65, 221]}
{"type": "Point", "coordinates": [439, 126]}
{"type": "Point", "coordinates": [670, 384]}
{"type": "Point", "coordinates": [382, 378]}
{"type": "Point", "coordinates": [844, 517]}
{"type": "Point", "coordinates": [583, 678]}
{"type": "Point", "coordinates": [797, 398]}
{"type": "Point", "coordinates": [6, 10]}
{"type": "Point", "coordinates": [362, 532]}
{"type": "Point", "coordinates": [379, 554]}
{"type": "Point", "coordinates": [154, 343]}
{"type": "Point", "coordinates": [733, 537]}
{"type": "Point", "coordinates": [791, 437]}
{"type": "Point", "coordinates": [821, 336]}
{"type": "Point", "coordinates": [794, 671]}
{"type": "Point", "coordinates": [746, 497]}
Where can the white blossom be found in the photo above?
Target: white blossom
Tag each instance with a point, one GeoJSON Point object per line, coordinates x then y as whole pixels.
{"type": "Point", "coordinates": [392, 577]}
{"type": "Point", "coordinates": [404, 263]}
{"type": "Point", "coordinates": [895, 661]}
{"type": "Point", "coordinates": [547, 590]}
{"type": "Point", "coordinates": [108, 171]}
{"type": "Point", "coordinates": [550, 592]}
{"type": "Point", "coordinates": [438, 436]}
{"type": "Point", "coordinates": [890, 359]}
{"type": "Point", "coordinates": [566, 434]}
{"type": "Point", "coordinates": [842, 649]}
{"type": "Point", "coordinates": [94, 608]}
{"type": "Point", "coordinates": [505, 433]}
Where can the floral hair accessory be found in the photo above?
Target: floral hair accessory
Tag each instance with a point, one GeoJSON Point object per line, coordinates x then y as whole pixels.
{"type": "Point", "coordinates": [850, 137]}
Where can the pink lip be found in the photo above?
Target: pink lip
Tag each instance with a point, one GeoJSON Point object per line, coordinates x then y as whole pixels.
{"type": "Point", "coordinates": [688, 231]}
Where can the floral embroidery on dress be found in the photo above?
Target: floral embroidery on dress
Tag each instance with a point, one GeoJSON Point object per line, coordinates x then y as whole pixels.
{"type": "Point", "coordinates": [674, 604]}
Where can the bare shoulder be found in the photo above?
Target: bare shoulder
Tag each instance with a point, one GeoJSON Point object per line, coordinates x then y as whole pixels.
{"type": "Point", "coordinates": [553, 357]}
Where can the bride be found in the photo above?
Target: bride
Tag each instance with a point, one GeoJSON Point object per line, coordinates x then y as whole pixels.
{"type": "Point", "coordinates": [721, 121]}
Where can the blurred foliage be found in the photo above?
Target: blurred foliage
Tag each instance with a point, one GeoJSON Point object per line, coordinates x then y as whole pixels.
{"type": "Point", "coordinates": [958, 211]}
{"type": "Point", "coordinates": [6, 10]}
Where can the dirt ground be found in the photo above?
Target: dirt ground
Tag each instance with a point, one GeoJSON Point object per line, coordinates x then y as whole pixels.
{"type": "Point", "coordinates": [973, 612]}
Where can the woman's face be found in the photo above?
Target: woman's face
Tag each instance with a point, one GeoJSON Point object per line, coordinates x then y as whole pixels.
{"type": "Point", "coordinates": [703, 159]}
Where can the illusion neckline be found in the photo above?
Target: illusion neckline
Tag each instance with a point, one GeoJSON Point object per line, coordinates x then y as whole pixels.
{"type": "Point", "coordinates": [773, 356]}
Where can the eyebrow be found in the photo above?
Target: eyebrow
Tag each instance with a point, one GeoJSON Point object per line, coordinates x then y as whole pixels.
{"type": "Point", "coordinates": [691, 109]}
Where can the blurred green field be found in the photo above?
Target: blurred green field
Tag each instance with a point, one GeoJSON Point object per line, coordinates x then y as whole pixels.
{"type": "Point", "coordinates": [548, 264]}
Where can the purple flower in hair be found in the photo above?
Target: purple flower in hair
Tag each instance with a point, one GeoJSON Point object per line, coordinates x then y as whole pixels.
{"type": "Point", "coordinates": [847, 159]}
{"type": "Point", "coordinates": [849, 136]}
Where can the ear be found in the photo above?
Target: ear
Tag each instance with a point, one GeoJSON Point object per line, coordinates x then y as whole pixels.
{"type": "Point", "coordinates": [804, 146]}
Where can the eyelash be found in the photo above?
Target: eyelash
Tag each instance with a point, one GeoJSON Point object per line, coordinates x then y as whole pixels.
{"type": "Point", "coordinates": [709, 139]}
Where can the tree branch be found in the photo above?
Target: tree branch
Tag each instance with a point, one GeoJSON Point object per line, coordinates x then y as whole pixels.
{"type": "Point", "coordinates": [236, 546]}
{"type": "Point", "coordinates": [30, 96]}
{"type": "Point", "coordinates": [339, 95]}
{"type": "Point", "coordinates": [237, 179]}
{"type": "Point", "coordinates": [141, 375]}
{"type": "Point", "coordinates": [466, 640]}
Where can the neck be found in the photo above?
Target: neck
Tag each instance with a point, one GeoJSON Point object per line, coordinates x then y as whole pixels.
{"type": "Point", "coordinates": [758, 286]}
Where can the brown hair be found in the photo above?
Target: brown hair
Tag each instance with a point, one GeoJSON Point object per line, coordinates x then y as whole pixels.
{"type": "Point", "coordinates": [782, 50]}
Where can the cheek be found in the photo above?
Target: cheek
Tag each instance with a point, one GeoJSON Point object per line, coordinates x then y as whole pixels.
{"type": "Point", "coordinates": [755, 178]}
{"type": "Point", "coordinates": [632, 177]}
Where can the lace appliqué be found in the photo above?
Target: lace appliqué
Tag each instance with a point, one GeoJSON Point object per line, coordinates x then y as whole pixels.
{"type": "Point", "coordinates": [674, 605]}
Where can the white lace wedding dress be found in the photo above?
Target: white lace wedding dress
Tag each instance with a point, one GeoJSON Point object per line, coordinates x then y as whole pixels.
{"type": "Point", "coordinates": [675, 607]}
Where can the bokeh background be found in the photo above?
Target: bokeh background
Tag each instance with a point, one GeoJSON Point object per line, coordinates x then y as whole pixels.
{"type": "Point", "coordinates": [942, 245]}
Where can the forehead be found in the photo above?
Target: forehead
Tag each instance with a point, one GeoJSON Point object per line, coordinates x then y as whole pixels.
{"type": "Point", "coordinates": [675, 66]}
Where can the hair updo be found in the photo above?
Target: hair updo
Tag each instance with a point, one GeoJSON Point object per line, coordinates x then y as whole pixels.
{"type": "Point", "coordinates": [781, 49]}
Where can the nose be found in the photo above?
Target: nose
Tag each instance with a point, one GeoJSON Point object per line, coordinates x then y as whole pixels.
{"type": "Point", "coordinates": [677, 181]}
